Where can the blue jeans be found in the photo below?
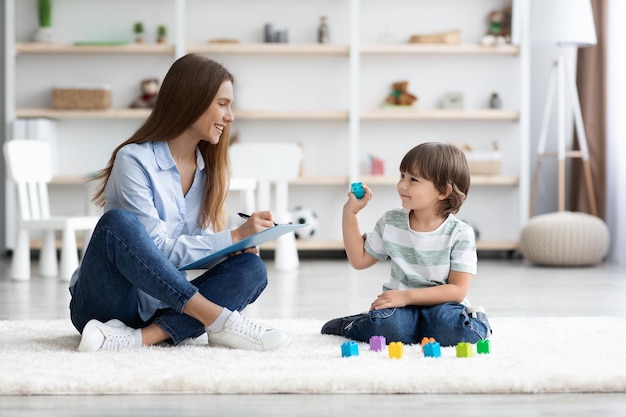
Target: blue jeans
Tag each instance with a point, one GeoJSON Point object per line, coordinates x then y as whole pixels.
{"type": "Point", "coordinates": [448, 323]}
{"type": "Point", "coordinates": [122, 258]}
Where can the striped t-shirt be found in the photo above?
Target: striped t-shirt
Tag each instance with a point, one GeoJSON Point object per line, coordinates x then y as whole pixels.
{"type": "Point", "coordinates": [421, 259]}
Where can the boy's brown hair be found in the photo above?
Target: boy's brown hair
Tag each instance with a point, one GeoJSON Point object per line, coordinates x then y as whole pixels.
{"type": "Point", "coordinates": [446, 166]}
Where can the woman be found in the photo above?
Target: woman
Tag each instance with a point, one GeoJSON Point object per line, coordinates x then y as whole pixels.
{"type": "Point", "coordinates": [163, 193]}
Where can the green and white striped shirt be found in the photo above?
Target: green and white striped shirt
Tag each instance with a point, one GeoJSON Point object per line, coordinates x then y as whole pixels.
{"type": "Point", "coordinates": [421, 259]}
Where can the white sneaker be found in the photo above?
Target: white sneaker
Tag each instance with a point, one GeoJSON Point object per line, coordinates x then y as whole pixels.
{"type": "Point", "coordinates": [112, 335]}
{"type": "Point", "coordinates": [242, 333]}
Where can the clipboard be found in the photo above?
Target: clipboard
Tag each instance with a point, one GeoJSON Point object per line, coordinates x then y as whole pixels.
{"type": "Point", "coordinates": [256, 239]}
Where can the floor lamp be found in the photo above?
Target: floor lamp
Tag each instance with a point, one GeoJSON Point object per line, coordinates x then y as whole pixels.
{"type": "Point", "coordinates": [568, 24]}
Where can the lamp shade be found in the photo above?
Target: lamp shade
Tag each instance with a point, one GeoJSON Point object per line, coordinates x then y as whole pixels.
{"type": "Point", "coordinates": [563, 22]}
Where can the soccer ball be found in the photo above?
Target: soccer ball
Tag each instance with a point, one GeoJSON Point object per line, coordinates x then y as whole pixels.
{"type": "Point", "coordinates": [302, 215]}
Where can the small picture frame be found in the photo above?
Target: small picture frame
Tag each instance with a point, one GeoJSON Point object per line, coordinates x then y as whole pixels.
{"type": "Point", "coordinates": [452, 100]}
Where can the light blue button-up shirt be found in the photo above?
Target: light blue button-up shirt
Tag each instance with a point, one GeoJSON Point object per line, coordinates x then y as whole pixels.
{"type": "Point", "coordinates": [146, 182]}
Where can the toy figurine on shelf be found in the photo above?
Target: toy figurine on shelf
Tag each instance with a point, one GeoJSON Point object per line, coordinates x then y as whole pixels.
{"type": "Point", "coordinates": [323, 31]}
{"type": "Point", "coordinates": [149, 91]}
{"type": "Point", "coordinates": [499, 28]}
{"type": "Point", "coordinates": [400, 95]}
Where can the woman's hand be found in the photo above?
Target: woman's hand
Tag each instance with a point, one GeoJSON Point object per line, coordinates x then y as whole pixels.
{"type": "Point", "coordinates": [257, 222]}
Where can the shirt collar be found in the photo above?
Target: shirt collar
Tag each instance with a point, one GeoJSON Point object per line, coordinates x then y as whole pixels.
{"type": "Point", "coordinates": [164, 157]}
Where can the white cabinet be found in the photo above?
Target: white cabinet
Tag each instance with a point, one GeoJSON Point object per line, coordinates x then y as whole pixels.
{"type": "Point", "coordinates": [325, 97]}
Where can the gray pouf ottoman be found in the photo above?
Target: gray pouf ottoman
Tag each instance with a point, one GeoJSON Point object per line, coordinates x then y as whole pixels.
{"type": "Point", "coordinates": [565, 239]}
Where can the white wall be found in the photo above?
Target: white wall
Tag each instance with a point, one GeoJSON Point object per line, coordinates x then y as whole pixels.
{"type": "Point", "coordinates": [616, 131]}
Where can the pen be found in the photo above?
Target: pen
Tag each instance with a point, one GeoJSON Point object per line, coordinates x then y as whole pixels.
{"type": "Point", "coordinates": [247, 216]}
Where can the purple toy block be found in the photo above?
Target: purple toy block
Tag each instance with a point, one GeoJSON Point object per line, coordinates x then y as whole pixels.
{"type": "Point", "coordinates": [432, 350]}
{"type": "Point", "coordinates": [349, 349]}
{"type": "Point", "coordinates": [377, 343]}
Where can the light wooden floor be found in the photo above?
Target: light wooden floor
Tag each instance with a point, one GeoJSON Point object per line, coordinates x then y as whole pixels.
{"type": "Point", "coordinates": [324, 289]}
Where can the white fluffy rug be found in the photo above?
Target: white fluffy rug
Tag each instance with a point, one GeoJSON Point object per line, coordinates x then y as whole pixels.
{"type": "Point", "coordinates": [529, 355]}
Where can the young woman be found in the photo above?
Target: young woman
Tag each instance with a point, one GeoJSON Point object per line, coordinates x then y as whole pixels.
{"type": "Point", "coordinates": [163, 193]}
{"type": "Point", "coordinates": [432, 253]}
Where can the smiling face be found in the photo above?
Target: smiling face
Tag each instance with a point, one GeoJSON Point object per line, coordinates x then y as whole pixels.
{"type": "Point", "coordinates": [210, 125]}
{"type": "Point", "coordinates": [418, 194]}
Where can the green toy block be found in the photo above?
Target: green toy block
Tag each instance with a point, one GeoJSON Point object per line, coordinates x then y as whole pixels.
{"type": "Point", "coordinates": [464, 350]}
{"type": "Point", "coordinates": [483, 346]}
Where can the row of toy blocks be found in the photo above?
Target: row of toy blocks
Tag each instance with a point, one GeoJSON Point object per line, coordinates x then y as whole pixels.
{"type": "Point", "coordinates": [464, 349]}
{"type": "Point", "coordinates": [430, 347]}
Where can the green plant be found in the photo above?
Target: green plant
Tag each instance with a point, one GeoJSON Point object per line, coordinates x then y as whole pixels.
{"type": "Point", "coordinates": [138, 27]}
{"type": "Point", "coordinates": [44, 7]}
{"type": "Point", "coordinates": [161, 31]}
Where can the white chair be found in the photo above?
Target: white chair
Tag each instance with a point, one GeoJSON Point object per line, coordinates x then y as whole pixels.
{"type": "Point", "coordinates": [277, 164]}
{"type": "Point", "coordinates": [29, 164]}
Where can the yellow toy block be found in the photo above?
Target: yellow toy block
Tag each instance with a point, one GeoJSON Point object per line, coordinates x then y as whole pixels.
{"type": "Point", "coordinates": [396, 350]}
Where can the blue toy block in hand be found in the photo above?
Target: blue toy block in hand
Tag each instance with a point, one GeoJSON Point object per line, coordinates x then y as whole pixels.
{"type": "Point", "coordinates": [358, 190]}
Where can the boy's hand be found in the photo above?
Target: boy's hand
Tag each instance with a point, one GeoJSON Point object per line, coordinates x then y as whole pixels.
{"type": "Point", "coordinates": [354, 205]}
{"type": "Point", "coordinates": [390, 299]}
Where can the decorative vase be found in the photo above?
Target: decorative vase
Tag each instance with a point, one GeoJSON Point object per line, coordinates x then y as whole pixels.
{"type": "Point", "coordinates": [44, 35]}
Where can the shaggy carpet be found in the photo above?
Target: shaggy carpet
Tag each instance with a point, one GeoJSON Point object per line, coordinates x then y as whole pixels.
{"type": "Point", "coordinates": [528, 355]}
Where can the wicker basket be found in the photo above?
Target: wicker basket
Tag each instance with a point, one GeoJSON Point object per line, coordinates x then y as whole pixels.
{"type": "Point", "coordinates": [483, 163]}
{"type": "Point", "coordinates": [81, 98]}
{"type": "Point", "coordinates": [453, 36]}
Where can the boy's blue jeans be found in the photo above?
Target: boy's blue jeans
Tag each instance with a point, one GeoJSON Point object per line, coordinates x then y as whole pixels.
{"type": "Point", "coordinates": [122, 258]}
{"type": "Point", "coordinates": [448, 323]}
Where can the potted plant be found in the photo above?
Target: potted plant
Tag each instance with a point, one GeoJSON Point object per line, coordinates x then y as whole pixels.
{"type": "Point", "coordinates": [161, 33]}
{"type": "Point", "coordinates": [138, 30]}
{"type": "Point", "coordinates": [45, 32]}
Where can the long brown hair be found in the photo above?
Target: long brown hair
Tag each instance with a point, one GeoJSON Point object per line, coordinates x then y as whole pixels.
{"type": "Point", "coordinates": [446, 166]}
{"type": "Point", "coordinates": [187, 90]}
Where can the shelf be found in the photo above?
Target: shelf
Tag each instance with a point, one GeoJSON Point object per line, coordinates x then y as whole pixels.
{"type": "Point", "coordinates": [127, 113]}
{"type": "Point", "coordinates": [58, 48]}
{"type": "Point", "coordinates": [290, 115]}
{"type": "Point", "coordinates": [495, 180]}
{"type": "Point", "coordinates": [268, 49]}
{"type": "Point", "coordinates": [121, 113]}
{"type": "Point", "coordinates": [438, 49]}
{"type": "Point", "coordinates": [411, 113]}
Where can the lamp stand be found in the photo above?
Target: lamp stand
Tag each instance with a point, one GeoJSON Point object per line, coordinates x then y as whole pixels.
{"type": "Point", "coordinates": [561, 80]}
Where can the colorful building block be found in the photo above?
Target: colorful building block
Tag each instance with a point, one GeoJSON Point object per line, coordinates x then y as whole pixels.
{"type": "Point", "coordinates": [432, 350]}
{"type": "Point", "coordinates": [349, 349]}
{"type": "Point", "coordinates": [483, 346]}
{"type": "Point", "coordinates": [426, 340]}
{"type": "Point", "coordinates": [358, 190]}
{"type": "Point", "coordinates": [377, 343]}
{"type": "Point", "coordinates": [464, 350]}
{"type": "Point", "coordinates": [396, 350]}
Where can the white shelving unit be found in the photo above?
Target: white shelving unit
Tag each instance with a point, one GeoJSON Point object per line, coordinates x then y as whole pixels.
{"type": "Point", "coordinates": [326, 97]}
